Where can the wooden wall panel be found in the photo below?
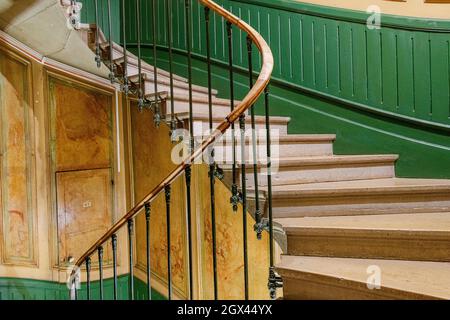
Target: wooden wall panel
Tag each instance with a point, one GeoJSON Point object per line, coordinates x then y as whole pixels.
{"type": "Point", "coordinates": [17, 161]}
{"type": "Point", "coordinates": [230, 262]}
{"type": "Point", "coordinates": [84, 210]}
{"type": "Point", "coordinates": [80, 143]}
{"type": "Point", "coordinates": [152, 163]}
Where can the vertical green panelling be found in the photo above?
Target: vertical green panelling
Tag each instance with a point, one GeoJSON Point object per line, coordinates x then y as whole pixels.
{"type": "Point", "coordinates": [406, 74]}
{"type": "Point", "coordinates": [320, 60]}
{"type": "Point", "coordinates": [333, 71]}
{"type": "Point", "coordinates": [440, 77]}
{"type": "Point", "coordinates": [389, 71]}
{"type": "Point", "coordinates": [385, 68]}
{"type": "Point", "coordinates": [346, 60]}
{"type": "Point", "coordinates": [359, 64]}
{"type": "Point", "coordinates": [422, 89]}
{"type": "Point", "coordinates": [88, 16]}
{"type": "Point", "coordinates": [373, 49]}
{"type": "Point", "coordinates": [308, 52]}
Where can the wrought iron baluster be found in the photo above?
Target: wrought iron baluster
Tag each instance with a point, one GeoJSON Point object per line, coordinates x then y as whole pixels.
{"type": "Point", "coordinates": [274, 280]}
{"type": "Point", "coordinates": [141, 99]}
{"type": "Point", "coordinates": [170, 46]}
{"type": "Point", "coordinates": [125, 84]}
{"type": "Point", "coordinates": [98, 58]}
{"type": "Point", "coordinates": [75, 289]}
{"type": "Point", "coordinates": [88, 278]}
{"type": "Point", "coordinates": [114, 250]}
{"type": "Point", "coordinates": [212, 166]}
{"type": "Point", "coordinates": [188, 173]}
{"type": "Point", "coordinates": [258, 225]}
{"type": "Point", "coordinates": [235, 195]}
{"type": "Point", "coordinates": [244, 204]}
{"type": "Point", "coordinates": [187, 5]}
{"type": "Point", "coordinates": [169, 258]}
{"type": "Point", "coordinates": [112, 74]}
{"type": "Point", "coordinates": [100, 270]}
{"type": "Point", "coordinates": [147, 236]}
{"type": "Point", "coordinates": [130, 256]}
{"type": "Point", "coordinates": [157, 116]}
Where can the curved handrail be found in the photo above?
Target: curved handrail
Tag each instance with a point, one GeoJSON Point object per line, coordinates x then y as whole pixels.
{"type": "Point", "coordinates": [254, 93]}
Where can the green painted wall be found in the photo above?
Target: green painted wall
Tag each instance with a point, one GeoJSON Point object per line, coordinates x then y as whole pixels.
{"type": "Point", "coordinates": [380, 91]}
{"type": "Point", "coordinates": [27, 289]}
{"type": "Point", "coordinates": [402, 69]}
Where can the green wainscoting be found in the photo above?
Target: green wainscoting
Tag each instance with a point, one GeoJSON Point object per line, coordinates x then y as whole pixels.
{"type": "Point", "coordinates": [28, 289]}
{"type": "Point", "coordinates": [380, 91]}
{"type": "Point", "coordinates": [402, 69]}
{"type": "Point", "coordinates": [424, 152]}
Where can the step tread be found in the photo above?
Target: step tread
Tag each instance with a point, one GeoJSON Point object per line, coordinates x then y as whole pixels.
{"type": "Point", "coordinates": [297, 138]}
{"type": "Point", "coordinates": [147, 75]}
{"type": "Point", "coordinates": [420, 222]}
{"type": "Point", "coordinates": [258, 119]}
{"type": "Point", "coordinates": [430, 279]}
{"type": "Point", "coordinates": [335, 160]}
{"type": "Point", "coordinates": [198, 99]}
{"type": "Point", "coordinates": [117, 47]}
{"type": "Point", "coordinates": [354, 187]}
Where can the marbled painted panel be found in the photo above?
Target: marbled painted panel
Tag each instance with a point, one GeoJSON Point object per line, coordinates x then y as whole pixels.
{"type": "Point", "coordinates": [80, 143]}
{"type": "Point", "coordinates": [16, 162]}
{"type": "Point", "coordinates": [152, 163]}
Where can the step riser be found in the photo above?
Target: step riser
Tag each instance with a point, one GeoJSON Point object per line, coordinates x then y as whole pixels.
{"type": "Point", "coordinates": [278, 149]}
{"type": "Point", "coordinates": [179, 86]}
{"type": "Point", "coordinates": [358, 205]}
{"type": "Point", "coordinates": [368, 244]}
{"type": "Point", "coordinates": [293, 175]}
{"type": "Point", "coordinates": [202, 127]}
{"type": "Point", "coordinates": [198, 108]}
{"type": "Point", "coordinates": [150, 89]}
{"type": "Point", "coordinates": [312, 287]}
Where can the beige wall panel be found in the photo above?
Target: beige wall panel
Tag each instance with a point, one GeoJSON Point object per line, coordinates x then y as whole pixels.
{"type": "Point", "coordinates": [151, 164]}
{"type": "Point", "coordinates": [84, 210]}
{"type": "Point", "coordinates": [230, 262]}
{"type": "Point", "coordinates": [17, 172]}
{"type": "Point", "coordinates": [80, 142]}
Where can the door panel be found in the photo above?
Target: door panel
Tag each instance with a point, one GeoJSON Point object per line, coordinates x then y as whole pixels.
{"type": "Point", "coordinates": [84, 210]}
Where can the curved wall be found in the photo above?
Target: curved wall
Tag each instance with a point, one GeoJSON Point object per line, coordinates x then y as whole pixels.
{"type": "Point", "coordinates": [400, 70]}
{"type": "Point", "coordinates": [381, 91]}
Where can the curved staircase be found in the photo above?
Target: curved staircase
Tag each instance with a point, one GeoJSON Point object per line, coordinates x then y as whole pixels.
{"type": "Point", "coordinates": [347, 218]}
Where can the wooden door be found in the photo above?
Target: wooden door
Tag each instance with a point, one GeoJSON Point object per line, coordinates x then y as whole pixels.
{"type": "Point", "coordinates": [84, 210]}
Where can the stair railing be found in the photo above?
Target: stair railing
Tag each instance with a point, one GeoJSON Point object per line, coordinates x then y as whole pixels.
{"type": "Point", "coordinates": [237, 112]}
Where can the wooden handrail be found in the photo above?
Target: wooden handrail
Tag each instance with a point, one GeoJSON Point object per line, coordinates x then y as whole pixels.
{"type": "Point", "coordinates": [254, 93]}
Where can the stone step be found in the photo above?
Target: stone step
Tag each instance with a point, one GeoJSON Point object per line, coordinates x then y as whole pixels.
{"type": "Point", "coordinates": [360, 197]}
{"type": "Point", "coordinates": [118, 54]}
{"type": "Point", "coordinates": [347, 279]}
{"type": "Point", "coordinates": [201, 123]}
{"type": "Point", "coordinates": [180, 87]}
{"type": "Point", "coordinates": [200, 105]}
{"type": "Point", "coordinates": [419, 237]}
{"type": "Point", "coordinates": [288, 145]}
{"type": "Point", "coordinates": [312, 169]}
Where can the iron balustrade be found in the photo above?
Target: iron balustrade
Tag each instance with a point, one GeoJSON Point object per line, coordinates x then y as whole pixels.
{"type": "Point", "coordinates": [237, 113]}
